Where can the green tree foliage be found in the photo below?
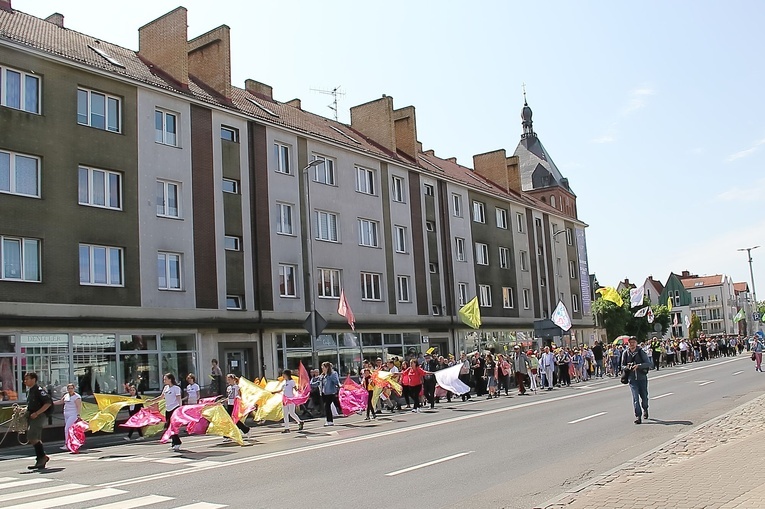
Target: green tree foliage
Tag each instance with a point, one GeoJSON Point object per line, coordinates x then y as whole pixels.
{"type": "Point", "coordinates": [695, 328]}
{"type": "Point", "coordinates": [619, 320]}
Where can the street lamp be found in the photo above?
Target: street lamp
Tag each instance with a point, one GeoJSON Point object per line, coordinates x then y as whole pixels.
{"type": "Point", "coordinates": [308, 232]}
{"type": "Point", "coordinates": [751, 274]}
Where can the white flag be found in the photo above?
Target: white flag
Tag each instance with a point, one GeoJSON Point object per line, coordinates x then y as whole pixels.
{"type": "Point", "coordinates": [560, 317]}
{"type": "Point", "coordinates": [642, 312]}
{"type": "Point", "coordinates": [636, 296]}
{"type": "Point", "coordinates": [687, 321]}
{"type": "Point", "coordinates": [449, 379]}
{"type": "Point", "coordinates": [650, 315]}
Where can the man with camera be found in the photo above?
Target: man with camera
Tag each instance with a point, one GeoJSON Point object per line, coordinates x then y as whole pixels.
{"type": "Point", "coordinates": [635, 367]}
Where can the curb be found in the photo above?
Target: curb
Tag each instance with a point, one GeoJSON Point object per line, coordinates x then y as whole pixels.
{"type": "Point", "coordinates": [555, 501]}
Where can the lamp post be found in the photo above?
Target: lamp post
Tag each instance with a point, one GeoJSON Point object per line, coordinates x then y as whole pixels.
{"type": "Point", "coordinates": [308, 232]}
{"type": "Point", "coordinates": [751, 274]}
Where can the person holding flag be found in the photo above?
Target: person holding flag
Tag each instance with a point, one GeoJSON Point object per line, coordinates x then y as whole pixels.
{"type": "Point", "coordinates": [288, 409]}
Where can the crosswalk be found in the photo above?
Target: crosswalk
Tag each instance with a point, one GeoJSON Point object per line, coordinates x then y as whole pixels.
{"type": "Point", "coordinates": [175, 460]}
{"type": "Point", "coordinates": [43, 493]}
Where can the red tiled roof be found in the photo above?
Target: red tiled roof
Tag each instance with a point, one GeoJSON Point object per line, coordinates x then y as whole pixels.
{"type": "Point", "coordinates": [741, 287]}
{"type": "Point", "coordinates": [703, 281]}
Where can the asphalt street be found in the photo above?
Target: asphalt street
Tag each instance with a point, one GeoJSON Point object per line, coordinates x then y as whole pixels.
{"type": "Point", "coordinates": [510, 452]}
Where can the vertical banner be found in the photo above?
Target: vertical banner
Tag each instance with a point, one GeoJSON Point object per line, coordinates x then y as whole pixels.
{"type": "Point", "coordinates": [584, 272]}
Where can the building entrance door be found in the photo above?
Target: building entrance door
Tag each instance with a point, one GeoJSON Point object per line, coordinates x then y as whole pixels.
{"type": "Point", "coordinates": [439, 346]}
{"type": "Point", "coordinates": [236, 363]}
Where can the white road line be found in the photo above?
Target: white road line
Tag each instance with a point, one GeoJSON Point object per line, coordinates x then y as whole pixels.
{"type": "Point", "coordinates": [134, 502]}
{"type": "Point", "coordinates": [40, 491]}
{"type": "Point", "coordinates": [428, 464]}
{"type": "Point", "coordinates": [588, 417]}
{"type": "Point", "coordinates": [173, 461]}
{"type": "Point", "coordinates": [136, 459]}
{"type": "Point", "coordinates": [706, 383]}
{"type": "Point", "coordinates": [25, 482]}
{"type": "Point", "coordinates": [202, 505]}
{"type": "Point", "coordinates": [299, 450]}
{"type": "Point", "coordinates": [737, 373]}
{"type": "Point", "coordinates": [6, 479]}
{"type": "Point", "coordinates": [69, 499]}
{"type": "Point", "coordinates": [661, 396]}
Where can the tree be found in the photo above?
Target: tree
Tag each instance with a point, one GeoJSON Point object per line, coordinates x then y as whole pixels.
{"type": "Point", "coordinates": [693, 330]}
{"type": "Point", "coordinates": [618, 320]}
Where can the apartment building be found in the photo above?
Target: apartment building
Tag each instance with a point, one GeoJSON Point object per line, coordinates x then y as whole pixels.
{"type": "Point", "coordinates": [155, 217]}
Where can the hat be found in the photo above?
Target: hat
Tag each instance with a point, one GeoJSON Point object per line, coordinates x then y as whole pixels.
{"type": "Point", "coordinates": [516, 347]}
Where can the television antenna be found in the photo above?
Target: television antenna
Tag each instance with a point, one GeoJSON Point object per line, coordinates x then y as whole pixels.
{"type": "Point", "coordinates": [335, 93]}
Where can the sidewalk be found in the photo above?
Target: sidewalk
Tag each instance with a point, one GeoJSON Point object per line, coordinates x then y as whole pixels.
{"type": "Point", "coordinates": [719, 464]}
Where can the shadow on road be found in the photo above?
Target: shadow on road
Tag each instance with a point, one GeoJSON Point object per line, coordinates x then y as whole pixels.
{"type": "Point", "coordinates": [668, 423]}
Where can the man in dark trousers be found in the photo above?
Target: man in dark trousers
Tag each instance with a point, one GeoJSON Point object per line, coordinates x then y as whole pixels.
{"type": "Point", "coordinates": [429, 381]}
{"type": "Point", "coordinates": [38, 401]}
{"type": "Point", "coordinates": [656, 352]}
{"type": "Point", "coordinates": [636, 361]}
{"type": "Point", "coordinates": [597, 354]}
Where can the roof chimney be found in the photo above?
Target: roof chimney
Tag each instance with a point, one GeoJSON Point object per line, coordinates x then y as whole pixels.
{"type": "Point", "coordinates": [210, 59]}
{"type": "Point", "coordinates": [5, 5]}
{"type": "Point", "coordinates": [405, 125]}
{"type": "Point", "coordinates": [55, 18]}
{"type": "Point", "coordinates": [375, 120]}
{"type": "Point", "coordinates": [258, 88]}
{"type": "Point", "coordinates": [295, 103]}
{"type": "Point", "coordinates": [500, 169]}
{"type": "Point", "coordinates": [163, 43]}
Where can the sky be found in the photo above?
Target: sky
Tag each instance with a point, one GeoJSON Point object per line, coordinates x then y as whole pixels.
{"type": "Point", "coordinates": [653, 110]}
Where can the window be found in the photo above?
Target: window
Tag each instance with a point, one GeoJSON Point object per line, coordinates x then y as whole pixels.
{"type": "Point", "coordinates": [399, 239]}
{"type": "Point", "coordinates": [504, 258]}
{"type": "Point", "coordinates": [166, 128]}
{"type": "Point", "coordinates": [433, 268]}
{"type": "Point", "coordinates": [462, 293]}
{"type": "Point", "coordinates": [19, 174]}
{"type": "Point", "coordinates": [698, 300]}
{"type": "Point", "coordinates": [519, 222]}
{"type": "Point", "coordinates": [526, 298]}
{"type": "Point", "coordinates": [713, 298]}
{"type": "Point", "coordinates": [101, 265]}
{"type": "Point", "coordinates": [397, 189]}
{"type": "Point", "coordinates": [232, 243]}
{"type": "Point", "coordinates": [365, 180]}
{"type": "Point", "coordinates": [287, 279]}
{"type": "Point", "coordinates": [98, 110]}
{"type": "Point", "coordinates": [484, 296]}
{"type": "Point", "coordinates": [501, 218]}
{"type": "Point", "coordinates": [508, 297]}
{"type": "Point", "coordinates": [575, 302]}
{"type": "Point", "coordinates": [370, 286]}
{"type": "Point", "coordinates": [326, 226]}
{"type": "Point", "coordinates": [234, 302]}
{"type": "Point", "coordinates": [538, 223]}
{"type": "Point", "coordinates": [557, 267]}
{"type": "Point", "coordinates": [457, 205]}
{"type": "Point", "coordinates": [329, 283]}
{"type": "Point", "coordinates": [540, 251]}
{"type": "Point", "coordinates": [169, 271]}
{"type": "Point", "coordinates": [19, 259]}
{"type": "Point", "coordinates": [555, 230]}
{"type": "Point", "coordinates": [430, 226]}
{"type": "Point", "coordinates": [572, 269]}
{"type": "Point", "coordinates": [368, 233]}
{"type": "Point", "coordinates": [524, 260]}
{"type": "Point", "coordinates": [552, 200]}
{"type": "Point", "coordinates": [282, 158]}
{"type": "Point", "coordinates": [284, 219]}
{"type": "Point", "coordinates": [230, 186]}
{"type": "Point", "coordinates": [543, 282]}
{"type": "Point", "coordinates": [481, 254]}
{"type": "Point", "coordinates": [168, 199]}
{"type": "Point", "coordinates": [229, 134]}
{"type": "Point", "coordinates": [436, 308]}
{"type": "Point", "coordinates": [569, 237]}
{"type": "Point", "coordinates": [402, 284]}
{"type": "Point", "coordinates": [459, 249]}
{"type": "Point", "coordinates": [19, 90]}
{"type": "Point", "coordinates": [479, 215]}
{"type": "Point", "coordinates": [324, 173]}
{"type": "Point", "coordinates": [677, 297]}
{"type": "Point", "coordinates": [428, 189]}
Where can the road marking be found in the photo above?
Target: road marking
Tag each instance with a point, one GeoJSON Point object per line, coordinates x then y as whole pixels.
{"type": "Point", "coordinates": [428, 464]}
{"type": "Point", "coordinates": [69, 499]}
{"type": "Point", "coordinates": [40, 491]}
{"type": "Point", "coordinates": [387, 433]}
{"type": "Point", "coordinates": [6, 479]}
{"type": "Point", "coordinates": [582, 386]}
{"type": "Point", "coordinates": [737, 373]}
{"type": "Point", "coordinates": [26, 482]}
{"type": "Point", "coordinates": [662, 396]}
{"type": "Point", "coordinates": [134, 502]}
{"type": "Point", "coordinates": [173, 461]}
{"type": "Point", "coordinates": [706, 383]}
{"type": "Point", "coordinates": [202, 505]}
{"type": "Point", "coordinates": [588, 417]}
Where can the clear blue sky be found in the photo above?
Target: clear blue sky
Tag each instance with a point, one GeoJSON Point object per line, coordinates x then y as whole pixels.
{"type": "Point", "coordinates": [653, 110]}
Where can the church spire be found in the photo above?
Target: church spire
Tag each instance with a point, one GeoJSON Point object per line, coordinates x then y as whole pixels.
{"type": "Point", "coordinates": [528, 130]}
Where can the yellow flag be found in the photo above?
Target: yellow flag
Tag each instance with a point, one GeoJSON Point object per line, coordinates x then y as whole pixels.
{"type": "Point", "coordinates": [610, 294]}
{"type": "Point", "coordinates": [470, 313]}
{"type": "Point", "coordinates": [221, 423]}
{"type": "Point", "coordinates": [669, 303]}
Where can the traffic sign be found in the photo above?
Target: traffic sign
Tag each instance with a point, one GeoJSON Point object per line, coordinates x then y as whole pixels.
{"type": "Point", "coordinates": [321, 323]}
{"type": "Point", "coordinates": [756, 316]}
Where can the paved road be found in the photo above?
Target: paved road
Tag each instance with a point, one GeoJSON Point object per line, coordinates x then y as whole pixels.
{"type": "Point", "coordinates": [506, 452]}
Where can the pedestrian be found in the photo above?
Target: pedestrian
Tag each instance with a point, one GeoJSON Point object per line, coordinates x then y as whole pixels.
{"type": "Point", "coordinates": [597, 353]}
{"type": "Point", "coordinates": [173, 401]}
{"type": "Point", "coordinates": [288, 409]}
{"type": "Point", "coordinates": [232, 394]}
{"type": "Point", "coordinates": [192, 390]}
{"type": "Point", "coordinates": [330, 386]}
{"type": "Point", "coordinates": [369, 386]}
{"type": "Point", "coordinates": [415, 375]}
{"type": "Point", "coordinates": [39, 404]}
{"type": "Point", "coordinates": [132, 410]}
{"type": "Point", "coordinates": [216, 378]}
{"type": "Point", "coordinates": [477, 368]}
{"type": "Point", "coordinates": [656, 352]}
{"type": "Point", "coordinates": [72, 408]}
{"type": "Point", "coordinates": [490, 375]}
{"type": "Point", "coordinates": [521, 366]}
{"type": "Point", "coordinates": [429, 380]}
{"type": "Point", "coordinates": [637, 364]}
{"type": "Point", "coordinates": [757, 353]}
{"type": "Point", "coordinates": [503, 374]}
{"type": "Point", "coordinates": [547, 366]}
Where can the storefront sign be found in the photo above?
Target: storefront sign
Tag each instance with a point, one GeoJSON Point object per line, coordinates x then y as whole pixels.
{"type": "Point", "coordinates": [44, 339]}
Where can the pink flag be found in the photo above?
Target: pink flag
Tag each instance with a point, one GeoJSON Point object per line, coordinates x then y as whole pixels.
{"type": "Point", "coordinates": [186, 415]}
{"type": "Point", "coordinates": [343, 309]}
{"type": "Point", "coordinates": [75, 438]}
{"type": "Point", "coordinates": [353, 397]}
{"type": "Point", "coordinates": [303, 392]}
{"type": "Point", "coordinates": [144, 417]}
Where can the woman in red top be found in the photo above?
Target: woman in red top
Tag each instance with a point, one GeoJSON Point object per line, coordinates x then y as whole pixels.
{"type": "Point", "coordinates": [413, 376]}
{"type": "Point", "coordinates": [405, 382]}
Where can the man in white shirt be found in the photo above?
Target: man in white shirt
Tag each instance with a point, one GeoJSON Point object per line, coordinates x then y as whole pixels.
{"type": "Point", "coordinates": [547, 366]}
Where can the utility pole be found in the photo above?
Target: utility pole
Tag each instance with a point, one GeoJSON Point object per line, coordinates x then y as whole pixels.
{"type": "Point", "coordinates": [751, 275]}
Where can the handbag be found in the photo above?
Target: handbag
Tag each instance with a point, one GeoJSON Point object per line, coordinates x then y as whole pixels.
{"type": "Point", "coordinates": [754, 357]}
{"type": "Point", "coordinates": [625, 376]}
